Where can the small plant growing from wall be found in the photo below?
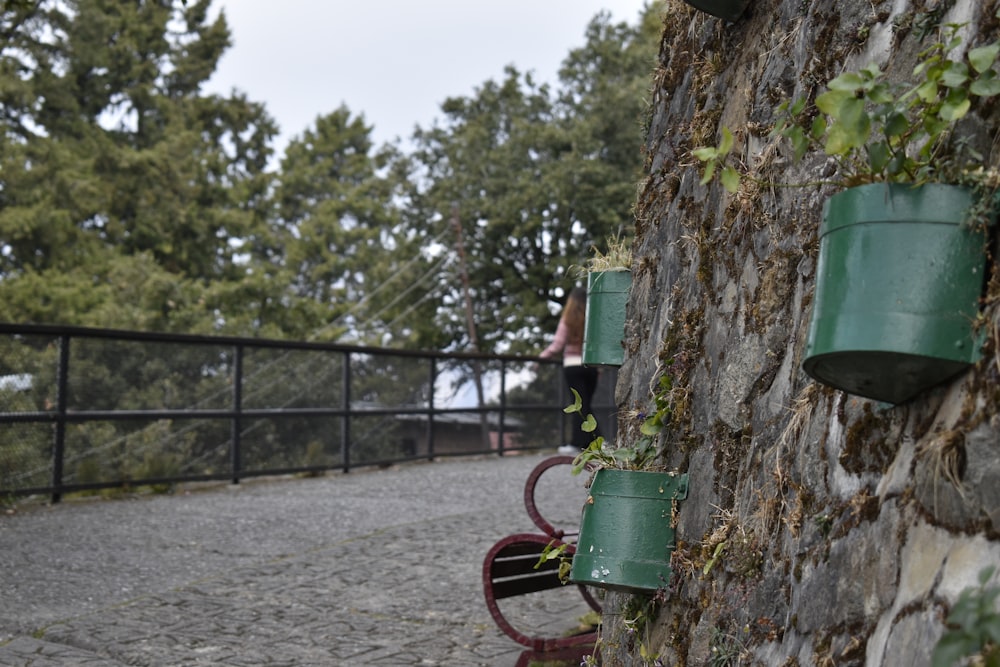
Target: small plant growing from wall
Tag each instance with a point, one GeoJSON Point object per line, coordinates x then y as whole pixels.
{"type": "Point", "coordinates": [881, 131]}
{"type": "Point", "coordinates": [639, 455]}
{"type": "Point", "coordinates": [627, 528]}
{"type": "Point", "coordinates": [902, 254]}
{"type": "Point", "coordinates": [973, 627]}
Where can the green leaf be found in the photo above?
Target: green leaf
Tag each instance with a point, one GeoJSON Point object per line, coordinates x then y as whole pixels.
{"type": "Point", "coordinates": [936, 71]}
{"type": "Point", "coordinates": [934, 126]}
{"type": "Point", "coordinates": [851, 130]}
{"type": "Point", "coordinates": [705, 153]}
{"type": "Point", "coordinates": [837, 141]}
{"type": "Point", "coordinates": [589, 424]}
{"type": "Point", "coordinates": [955, 106]}
{"type": "Point", "coordinates": [895, 125]}
{"type": "Point", "coordinates": [982, 58]}
{"type": "Point", "coordinates": [651, 426]}
{"type": "Point", "coordinates": [878, 156]}
{"type": "Point", "coordinates": [849, 81]}
{"type": "Point", "coordinates": [991, 627]}
{"type": "Point", "coordinates": [719, 548]}
{"type": "Point", "coordinates": [897, 165]}
{"type": "Point", "coordinates": [855, 120]}
{"type": "Point", "coordinates": [623, 454]}
{"type": "Point", "coordinates": [986, 85]}
{"type": "Point", "coordinates": [730, 179]}
{"type": "Point", "coordinates": [927, 91]}
{"type": "Point", "coordinates": [881, 94]}
{"type": "Point", "coordinates": [800, 144]}
{"type": "Point", "coordinates": [872, 71]}
{"type": "Point", "coordinates": [818, 128]}
{"type": "Point", "coordinates": [709, 172]}
{"type": "Point", "coordinates": [727, 142]}
{"type": "Point", "coordinates": [950, 649]}
{"type": "Point", "coordinates": [830, 102]}
{"type": "Point", "coordinates": [577, 403]}
{"type": "Point", "coordinates": [955, 75]}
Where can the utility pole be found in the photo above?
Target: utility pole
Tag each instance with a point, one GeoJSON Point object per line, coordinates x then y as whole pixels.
{"type": "Point", "coordinates": [470, 322]}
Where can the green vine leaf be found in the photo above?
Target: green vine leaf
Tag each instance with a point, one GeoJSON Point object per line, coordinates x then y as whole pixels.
{"type": "Point", "coordinates": [987, 85]}
{"type": "Point", "coordinates": [650, 427]}
{"type": "Point", "coordinates": [577, 403]}
{"type": "Point", "coordinates": [983, 57]}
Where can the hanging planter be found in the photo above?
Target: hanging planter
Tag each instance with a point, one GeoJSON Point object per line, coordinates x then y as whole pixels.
{"type": "Point", "coordinates": [626, 532]}
{"type": "Point", "coordinates": [724, 9]}
{"type": "Point", "coordinates": [901, 267]}
{"type": "Point", "coordinates": [604, 328]}
{"type": "Point", "coordinates": [898, 282]}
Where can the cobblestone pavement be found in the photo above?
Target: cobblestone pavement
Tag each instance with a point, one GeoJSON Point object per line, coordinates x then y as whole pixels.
{"type": "Point", "coordinates": [376, 567]}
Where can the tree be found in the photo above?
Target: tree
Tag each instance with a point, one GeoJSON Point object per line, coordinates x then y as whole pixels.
{"type": "Point", "coordinates": [348, 258]}
{"type": "Point", "coordinates": [535, 179]}
{"type": "Point", "coordinates": [117, 170]}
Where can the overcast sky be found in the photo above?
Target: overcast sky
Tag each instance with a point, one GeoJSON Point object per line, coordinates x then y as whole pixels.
{"type": "Point", "coordinates": [394, 61]}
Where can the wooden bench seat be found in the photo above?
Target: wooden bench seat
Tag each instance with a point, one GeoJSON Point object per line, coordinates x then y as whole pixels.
{"type": "Point", "coordinates": [511, 568]}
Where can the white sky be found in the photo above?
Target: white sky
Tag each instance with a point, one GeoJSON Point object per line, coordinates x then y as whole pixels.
{"type": "Point", "coordinates": [394, 61]}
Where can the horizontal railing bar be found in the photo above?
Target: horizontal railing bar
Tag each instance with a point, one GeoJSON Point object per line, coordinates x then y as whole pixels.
{"type": "Point", "coordinates": [60, 411]}
{"type": "Point", "coordinates": [122, 415]}
{"type": "Point", "coordinates": [218, 341]}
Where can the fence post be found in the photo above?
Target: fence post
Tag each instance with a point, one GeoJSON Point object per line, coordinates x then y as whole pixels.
{"type": "Point", "coordinates": [59, 446]}
{"type": "Point", "coordinates": [503, 406]}
{"type": "Point", "coordinates": [236, 425]}
{"type": "Point", "coordinates": [430, 409]}
{"type": "Point", "coordinates": [345, 424]}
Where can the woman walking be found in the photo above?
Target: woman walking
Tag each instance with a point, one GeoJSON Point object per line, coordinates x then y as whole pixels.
{"type": "Point", "coordinates": [569, 341]}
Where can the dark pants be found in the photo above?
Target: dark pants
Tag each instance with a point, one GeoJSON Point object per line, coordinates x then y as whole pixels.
{"type": "Point", "coordinates": [584, 380]}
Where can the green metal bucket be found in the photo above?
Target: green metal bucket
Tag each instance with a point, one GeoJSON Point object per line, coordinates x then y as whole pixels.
{"type": "Point", "coordinates": [604, 329]}
{"type": "Point", "coordinates": [898, 283]}
{"type": "Point", "coordinates": [626, 532]}
{"type": "Point", "coordinates": [724, 9]}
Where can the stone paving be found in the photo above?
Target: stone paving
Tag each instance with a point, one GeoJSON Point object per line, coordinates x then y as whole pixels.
{"type": "Point", "coordinates": [376, 567]}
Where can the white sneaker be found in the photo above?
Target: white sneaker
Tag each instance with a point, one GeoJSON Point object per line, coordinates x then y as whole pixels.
{"type": "Point", "coordinates": [568, 449]}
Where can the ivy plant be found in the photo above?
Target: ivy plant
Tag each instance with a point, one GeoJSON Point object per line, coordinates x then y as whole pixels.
{"type": "Point", "coordinates": [880, 130]}
{"type": "Point", "coordinates": [641, 454]}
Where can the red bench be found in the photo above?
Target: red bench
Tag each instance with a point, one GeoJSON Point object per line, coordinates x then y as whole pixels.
{"type": "Point", "coordinates": [511, 568]}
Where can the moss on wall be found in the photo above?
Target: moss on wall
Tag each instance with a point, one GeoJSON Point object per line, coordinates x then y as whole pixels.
{"type": "Point", "coordinates": [820, 528]}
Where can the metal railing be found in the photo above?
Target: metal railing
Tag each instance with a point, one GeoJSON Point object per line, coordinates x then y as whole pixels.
{"type": "Point", "coordinates": [86, 409]}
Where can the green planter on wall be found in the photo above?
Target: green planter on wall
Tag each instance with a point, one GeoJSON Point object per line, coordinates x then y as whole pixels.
{"type": "Point", "coordinates": [626, 532]}
{"type": "Point", "coordinates": [604, 329]}
{"type": "Point", "coordinates": [898, 282]}
{"type": "Point", "coordinates": [724, 9]}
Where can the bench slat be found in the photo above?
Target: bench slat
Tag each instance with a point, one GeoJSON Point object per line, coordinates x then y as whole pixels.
{"type": "Point", "coordinates": [509, 570]}
{"type": "Point", "coordinates": [532, 583]}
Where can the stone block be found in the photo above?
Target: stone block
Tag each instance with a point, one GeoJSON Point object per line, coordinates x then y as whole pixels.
{"type": "Point", "coordinates": [858, 580]}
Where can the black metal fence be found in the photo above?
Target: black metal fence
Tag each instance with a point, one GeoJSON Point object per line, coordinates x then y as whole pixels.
{"type": "Point", "coordinates": [85, 409]}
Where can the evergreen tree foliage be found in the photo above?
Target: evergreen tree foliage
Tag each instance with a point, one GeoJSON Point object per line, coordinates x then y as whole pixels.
{"type": "Point", "coordinates": [120, 179]}
{"type": "Point", "coordinates": [343, 244]}
{"type": "Point", "coordinates": [130, 198]}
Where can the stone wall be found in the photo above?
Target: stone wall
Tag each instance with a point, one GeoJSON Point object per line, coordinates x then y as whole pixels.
{"type": "Point", "coordinates": [849, 526]}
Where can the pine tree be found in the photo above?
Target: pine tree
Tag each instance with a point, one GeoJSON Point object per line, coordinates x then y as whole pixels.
{"type": "Point", "coordinates": [129, 198]}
